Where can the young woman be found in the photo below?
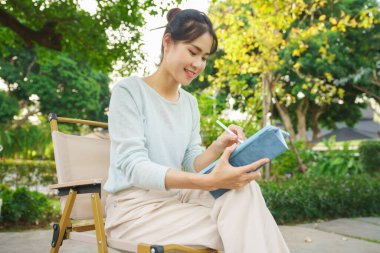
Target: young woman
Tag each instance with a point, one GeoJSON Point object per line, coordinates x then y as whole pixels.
{"type": "Point", "coordinates": [156, 196]}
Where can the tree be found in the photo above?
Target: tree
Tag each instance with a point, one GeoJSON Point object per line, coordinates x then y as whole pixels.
{"type": "Point", "coordinates": [251, 35]}
{"type": "Point", "coordinates": [324, 58]}
{"type": "Point", "coordinates": [55, 56]}
{"type": "Point", "coordinates": [55, 83]}
{"type": "Point", "coordinates": [8, 107]}
{"type": "Point", "coordinates": [292, 46]}
{"type": "Point", "coordinates": [110, 34]}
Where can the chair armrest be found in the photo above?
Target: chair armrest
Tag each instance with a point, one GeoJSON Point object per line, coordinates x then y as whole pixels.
{"type": "Point", "coordinates": [76, 183]}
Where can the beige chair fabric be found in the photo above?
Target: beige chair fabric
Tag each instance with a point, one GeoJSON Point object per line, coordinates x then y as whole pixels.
{"type": "Point", "coordinates": [78, 158]}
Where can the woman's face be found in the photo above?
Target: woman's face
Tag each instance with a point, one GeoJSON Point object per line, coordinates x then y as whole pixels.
{"type": "Point", "coordinates": [185, 61]}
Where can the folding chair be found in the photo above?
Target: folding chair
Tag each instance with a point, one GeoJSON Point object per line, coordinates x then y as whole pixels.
{"type": "Point", "coordinates": [82, 167]}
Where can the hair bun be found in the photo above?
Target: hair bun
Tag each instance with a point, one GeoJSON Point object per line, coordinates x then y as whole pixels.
{"type": "Point", "coordinates": [171, 13]}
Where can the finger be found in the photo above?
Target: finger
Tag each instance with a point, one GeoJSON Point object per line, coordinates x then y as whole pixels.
{"type": "Point", "coordinates": [255, 165]}
{"type": "Point", "coordinates": [255, 175]}
{"type": "Point", "coordinates": [228, 151]}
{"type": "Point", "coordinates": [238, 131]}
{"type": "Point", "coordinates": [252, 176]}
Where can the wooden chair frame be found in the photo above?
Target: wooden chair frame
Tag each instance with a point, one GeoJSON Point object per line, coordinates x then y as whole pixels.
{"type": "Point", "coordinates": [62, 230]}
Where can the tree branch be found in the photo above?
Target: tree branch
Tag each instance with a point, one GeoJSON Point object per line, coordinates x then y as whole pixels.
{"type": "Point", "coordinates": [30, 66]}
{"type": "Point", "coordinates": [366, 91]}
{"type": "Point", "coordinates": [20, 122]}
{"type": "Point", "coordinates": [374, 79]}
{"type": "Point", "coordinates": [46, 37]}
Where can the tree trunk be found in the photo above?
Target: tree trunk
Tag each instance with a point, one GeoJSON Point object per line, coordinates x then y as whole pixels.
{"type": "Point", "coordinates": [301, 111]}
{"type": "Point", "coordinates": [314, 124]}
{"type": "Point", "coordinates": [267, 99]}
{"type": "Point", "coordinates": [284, 114]}
{"type": "Point", "coordinates": [48, 36]}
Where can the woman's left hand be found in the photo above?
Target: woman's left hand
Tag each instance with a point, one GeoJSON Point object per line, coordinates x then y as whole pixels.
{"type": "Point", "coordinates": [226, 139]}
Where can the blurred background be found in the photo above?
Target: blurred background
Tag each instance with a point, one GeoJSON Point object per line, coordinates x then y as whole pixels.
{"type": "Point", "coordinates": [309, 67]}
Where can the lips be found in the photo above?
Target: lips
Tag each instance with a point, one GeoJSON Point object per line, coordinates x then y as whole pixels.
{"type": "Point", "coordinates": [190, 74]}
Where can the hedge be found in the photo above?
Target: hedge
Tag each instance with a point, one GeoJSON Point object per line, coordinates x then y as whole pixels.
{"type": "Point", "coordinates": [24, 207]}
{"type": "Point", "coordinates": [370, 155]}
{"type": "Point", "coordinates": [311, 198]}
{"type": "Point", "coordinates": [27, 172]}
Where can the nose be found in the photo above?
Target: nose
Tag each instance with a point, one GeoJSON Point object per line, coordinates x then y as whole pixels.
{"type": "Point", "coordinates": [197, 63]}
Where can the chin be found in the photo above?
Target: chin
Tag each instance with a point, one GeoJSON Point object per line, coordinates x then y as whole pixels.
{"type": "Point", "coordinates": [186, 82]}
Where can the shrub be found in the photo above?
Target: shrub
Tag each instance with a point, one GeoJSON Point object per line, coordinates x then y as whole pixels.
{"type": "Point", "coordinates": [370, 155]}
{"type": "Point", "coordinates": [335, 162]}
{"type": "Point", "coordinates": [287, 163]}
{"type": "Point", "coordinates": [27, 173]}
{"type": "Point", "coordinates": [310, 198]}
{"type": "Point", "coordinates": [25, 207]}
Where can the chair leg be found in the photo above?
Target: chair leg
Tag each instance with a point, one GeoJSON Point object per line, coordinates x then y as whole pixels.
{"type": "Point", "coordinates": [99, 223]}
{"type": "Point", "coordinates": [64, 221]}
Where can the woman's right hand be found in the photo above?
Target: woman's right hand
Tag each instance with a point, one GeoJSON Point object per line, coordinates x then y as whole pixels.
{"type": "Point", "coordinates": [224, 175]}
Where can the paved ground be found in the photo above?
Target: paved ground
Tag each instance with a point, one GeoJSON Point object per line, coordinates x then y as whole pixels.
{"type": "Point", "coordinates": [359, 235]}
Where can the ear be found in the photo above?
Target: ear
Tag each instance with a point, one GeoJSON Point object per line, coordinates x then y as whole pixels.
{"type": "Point", "coordinates": [166, 41]}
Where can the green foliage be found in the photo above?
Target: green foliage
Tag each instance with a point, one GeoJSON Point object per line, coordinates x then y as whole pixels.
{"type": "Point", "coordinates": [112, 33]}
{"type": "Point", "coordinates": [8, 107]}
{"type": "Point", "coordinates": [27, 142]}
{"type": "Point", "coordinates": [310, 198]}
{"type": "Point", "coordinates": [370, 155]}
{"type": "Point", "coordinates": [313, 57]}
{"type": "Point", "coordinates": [55, 56]}
{"type": "Point", "coordinates": [335, 162]}
{"type": "Point", "coordinates": [27, 173]}
{"type": "Point", "coordinates": [286, 164]}
{"type": "Point", "coordinates": [22, 206]}
{"type": "Point", "coordinates": [58, 83]}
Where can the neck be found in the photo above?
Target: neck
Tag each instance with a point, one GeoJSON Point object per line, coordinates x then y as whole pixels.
{"type": "Point", "coordinates": [164, 84]}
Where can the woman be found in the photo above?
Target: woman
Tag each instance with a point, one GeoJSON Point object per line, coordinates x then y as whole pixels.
{"type": "Point", "coordinates": [154, 130]}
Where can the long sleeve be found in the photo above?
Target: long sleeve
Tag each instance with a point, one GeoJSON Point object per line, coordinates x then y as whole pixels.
{"type": "Point", "coordinates": [195, 145]}
{"type": "Point", "coordinates": [149, 135]}
{"type": "Point", "coordinates": [129, 154]}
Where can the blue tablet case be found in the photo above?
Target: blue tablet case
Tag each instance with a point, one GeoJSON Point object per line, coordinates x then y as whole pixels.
{"type": "Point", "coordinates": [268, 142]}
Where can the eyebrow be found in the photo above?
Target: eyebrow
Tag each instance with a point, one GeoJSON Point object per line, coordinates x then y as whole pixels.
{"type": "Point", "coordinates": [199, 49]}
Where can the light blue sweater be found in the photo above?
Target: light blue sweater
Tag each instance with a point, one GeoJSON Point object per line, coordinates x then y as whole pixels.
{"type": "Point", "coordinates": [149, 135]}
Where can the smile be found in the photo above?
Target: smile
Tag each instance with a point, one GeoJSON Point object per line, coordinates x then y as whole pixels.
{"type": "Point", "coordinates": [189, 73]}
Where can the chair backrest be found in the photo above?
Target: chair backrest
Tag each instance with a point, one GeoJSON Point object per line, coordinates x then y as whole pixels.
{"type": "Point", "coordinates": [79, 158]}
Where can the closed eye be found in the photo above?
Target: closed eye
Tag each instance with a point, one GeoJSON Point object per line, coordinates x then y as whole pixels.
{"type": "Point", "coordinates": [194, 54]}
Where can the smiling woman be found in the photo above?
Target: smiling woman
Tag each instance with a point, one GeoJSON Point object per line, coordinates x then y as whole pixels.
{"type": "Point", "coordinates": [156, 196]}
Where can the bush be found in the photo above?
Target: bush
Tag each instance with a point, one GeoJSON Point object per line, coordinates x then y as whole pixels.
{"type": "Point", "coordinates": [287, 163]}
{"type": "Point", "coordinates": [370, 155]}
{"type": "Point", "coordinates": [335, 162]}
{"type": "Point", "coordinates": [27, 173]}
{"type": "Point", "coordinates": [24, 207]}
{"type": "Point", "coordinates": [310, 198]}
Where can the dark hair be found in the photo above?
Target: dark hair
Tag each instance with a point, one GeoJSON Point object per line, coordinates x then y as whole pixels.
{"type": "Point", "coordinates": [187, 25]}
